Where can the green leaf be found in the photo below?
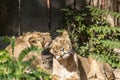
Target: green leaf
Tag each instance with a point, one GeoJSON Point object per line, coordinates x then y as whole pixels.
{"type": "Point", "coordinates": [28, 50]}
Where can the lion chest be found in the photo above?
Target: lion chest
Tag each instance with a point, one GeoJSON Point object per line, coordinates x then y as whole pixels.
{"type": "Point", "coordinates": [62, 72]}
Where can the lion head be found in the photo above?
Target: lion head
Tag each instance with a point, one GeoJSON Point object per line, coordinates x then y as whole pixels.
{"type": "Point", "coordinates": [40, 39]}
{"type": "Point", "coordinates": [61, 47]}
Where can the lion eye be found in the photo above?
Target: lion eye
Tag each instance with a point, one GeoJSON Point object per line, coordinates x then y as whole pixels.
{"type": "Point", "coordinates": [62, 49]}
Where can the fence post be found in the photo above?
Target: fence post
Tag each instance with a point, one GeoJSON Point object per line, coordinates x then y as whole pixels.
{"type": "Point", "coordinates": [49, 13]}
{"type": "Point", "coordinates": [74, 4]}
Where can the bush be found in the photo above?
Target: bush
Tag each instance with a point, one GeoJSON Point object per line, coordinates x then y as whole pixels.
{"type": "Point", "coordinates": [91, 34]}
{"type": "Point", "coordinates": [17, 69]}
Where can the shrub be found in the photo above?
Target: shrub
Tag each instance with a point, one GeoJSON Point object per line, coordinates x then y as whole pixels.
{"type": "Point", "coordinates": [17, 69]}
{"type": "Point", "coordinates": [91, 34]}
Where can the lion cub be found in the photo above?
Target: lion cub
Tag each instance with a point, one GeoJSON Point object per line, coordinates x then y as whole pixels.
{"type": "Point", "coordinates": [29, 39]}
{"type": "Point", "coordinates": [39, 39]}
{"type": "Point", "coordinates": [65, 65]}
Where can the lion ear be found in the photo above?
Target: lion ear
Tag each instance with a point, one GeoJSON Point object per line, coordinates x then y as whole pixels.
{"type": "Point", "coordinates": [65, 34]}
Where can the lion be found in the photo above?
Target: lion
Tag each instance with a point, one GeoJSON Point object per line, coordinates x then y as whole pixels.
{"type": "Point", "coordinates": [28, 39]}
{"type": "Point", "coordinates": [39, 39]}
{"type": "Point", "coordinates": [67, 65]}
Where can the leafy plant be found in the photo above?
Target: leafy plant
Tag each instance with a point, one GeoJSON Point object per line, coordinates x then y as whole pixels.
{"type": "Point", "coordinates": [5, 40]}
{"type": "Point", "coordinates": [113, 59]}
{"type": "Point", "coordinates": [12, 42]}
{"type": "Point", "coordinates": [96, 11]}
{"type": "Point", "coordinates": [27, 50]}
{"type": "Point", "coordinates": [91, 34]}
{"type": "Point", "coordinates": [17, 69]}
{"type": "Point", "coordinates": [9, 40]}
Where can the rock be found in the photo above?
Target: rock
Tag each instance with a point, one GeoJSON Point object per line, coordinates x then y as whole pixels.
{"type": "Point", "coordinates": [117, 51]}
{"type": "Point", "coordinates": [117, 74]}
{"type": "Point", "coordinates": [108, 71]}
{"type": "Point", "coordinates": [94, 70]}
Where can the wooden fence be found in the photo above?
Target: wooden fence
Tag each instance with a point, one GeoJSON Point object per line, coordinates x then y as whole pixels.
{"type": "Point", "coordinates": [43, 15]}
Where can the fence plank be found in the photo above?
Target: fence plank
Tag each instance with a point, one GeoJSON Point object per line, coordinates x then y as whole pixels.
{"type": "Point", "coordinates": [57, 5]}
{"type": "Point", "coordinates": [34, 15]}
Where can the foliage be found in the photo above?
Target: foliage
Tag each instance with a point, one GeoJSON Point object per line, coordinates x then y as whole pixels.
{"type": "Point", "coordinates": [18, 69]}
{"type": "Point", "coordinates": [96, 11]}
{"type": "Point", "coordinates": [91, 34]}
{"type": "Point", "coordinates": [5, 40]}
{"type": "Point", "coordinates": [113, 60]}
{"type": "Point", "coordinates": [27, 50]}
{"type": "Point", "coordinates": [12, 42]}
